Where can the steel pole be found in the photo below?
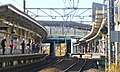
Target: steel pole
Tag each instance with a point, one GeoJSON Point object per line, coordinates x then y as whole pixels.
{"type": "Point", "coordinates": [104, 45]}
{"type": "Point", "coordinates": [24, 5]}
{"type": "Point", "coordinates": [110, 28]}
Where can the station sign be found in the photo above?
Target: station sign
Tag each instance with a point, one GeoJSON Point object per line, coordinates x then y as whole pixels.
{"type": "Point", "coordinates": [115, 36]}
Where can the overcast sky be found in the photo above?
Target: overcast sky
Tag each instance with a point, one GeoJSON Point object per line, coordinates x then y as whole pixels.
{"type": "Point", "coordinates": [51, 4]}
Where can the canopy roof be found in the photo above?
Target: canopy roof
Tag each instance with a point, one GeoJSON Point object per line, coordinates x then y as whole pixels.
{"type": "Point", "coordinates": [12, 14]}
{"type": "Point", "coordinates": [3, 26]}
{"type": "Point", "coordinates": [98, 23]}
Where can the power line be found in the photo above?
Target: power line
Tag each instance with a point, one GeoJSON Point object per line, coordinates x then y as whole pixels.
{"type": "Point", "coordinates": [77, 3]}
{"type": "Point", "coordinates": [1, 3]}
{"type": "Point", "coordinates": [69, 3]}
{"type": "Point", "coordinates": [64, 1]}
{"type": "Point", "coordinates": [18, 3]}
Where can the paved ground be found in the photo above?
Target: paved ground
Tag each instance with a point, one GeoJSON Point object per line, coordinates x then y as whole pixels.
{"type": "Point", "coordinates": [15, 51]}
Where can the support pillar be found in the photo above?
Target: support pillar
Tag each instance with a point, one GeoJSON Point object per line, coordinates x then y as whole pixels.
{"type": "Point", "coordinates": [68, 48]}
{"type": "Point", "coordinates": [110, 28]}
{"type": "Point", "coordinates": [52, 48]}
{"type": "Point", "coordinates": [40, 45]}
{"type": "Point", "coordinates": [85, 48]}
{"type": "Point", "coordinates": [75, 49]}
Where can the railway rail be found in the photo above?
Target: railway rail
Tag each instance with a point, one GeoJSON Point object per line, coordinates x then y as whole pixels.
{"type": "Point", "coordinates": [69, 64]}
{"type": "Point", "coordinates": [77, 66]}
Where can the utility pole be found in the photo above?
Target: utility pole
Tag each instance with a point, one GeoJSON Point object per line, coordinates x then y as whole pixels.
{"type": "Point", "coordinates": [73, 3]}
{"type": "Point", "coordinates": [104, 44]}
{"type": "Point", "coordinates": [110, 28]}
{"type": "Point", "coordinates": [24, 5]}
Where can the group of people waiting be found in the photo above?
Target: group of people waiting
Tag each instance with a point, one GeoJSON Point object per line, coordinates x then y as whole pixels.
{"type": "Point", "coordinates": [34, 49]}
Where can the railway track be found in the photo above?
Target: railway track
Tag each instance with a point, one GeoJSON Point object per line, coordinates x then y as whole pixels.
{"type": "Point", "coordinates": [62, 64]}
{"type": "Point", "coordinates": [77, 66]}
{"type": "Point", "coordinates": [72, 64]}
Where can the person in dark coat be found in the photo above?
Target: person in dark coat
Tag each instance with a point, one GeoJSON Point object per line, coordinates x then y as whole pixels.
{"type": "Point", "coordinates": [37, 48]}
{"type": "Point", "coordinates": [33, 47]}
{"type": "Point", "coordinates": [23, 47]}
{"type": "Point", "coordinates": [3, 46]}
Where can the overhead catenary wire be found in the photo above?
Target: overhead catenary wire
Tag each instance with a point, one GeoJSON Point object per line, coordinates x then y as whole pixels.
{"type": "Point", "coordinates": [18, 3]}
{"type": "Point", "coordinates": [1, 3]}
{"type": "Point", "coordinates": [77, 3]}
{"type": "Point", "coordinates": [64, 1]}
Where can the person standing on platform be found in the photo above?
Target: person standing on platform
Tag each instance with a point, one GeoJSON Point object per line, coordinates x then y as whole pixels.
{"type": "Point", "coordinates": [3, 46]}
{"type": "Point", "coordinates": [23, 47]}
{"type": "Point", "coordinates": [33, 47]}
{"type": "Point", "coordinates": [11, 46]}
{"type": "Point", "coordinates": [29, 46]}
{"type": "Point", "coordinates": [37, 48]}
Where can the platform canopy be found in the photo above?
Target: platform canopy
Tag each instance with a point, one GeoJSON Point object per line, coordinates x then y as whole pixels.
{"type": "Point", "coordinates": [3, 26]}
{"type": "Point", "coordinates": [97, 18]}
{"type": "Point", "coordinates": [13, 15]}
